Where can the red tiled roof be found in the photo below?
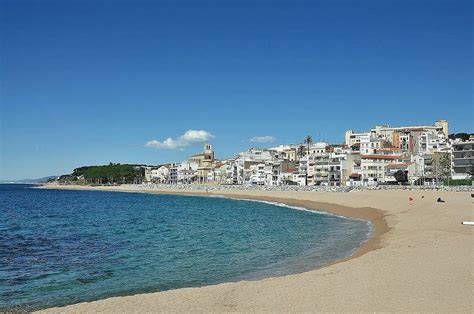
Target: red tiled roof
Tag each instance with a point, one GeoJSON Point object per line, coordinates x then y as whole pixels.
{"type": "Point", "coordinates": [398, 166]}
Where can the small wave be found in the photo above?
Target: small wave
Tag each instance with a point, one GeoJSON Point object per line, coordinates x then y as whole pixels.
{"type": "Point", "coordinates": [216, 196]}
{"type": "Point", "coordinates": [314, 211]}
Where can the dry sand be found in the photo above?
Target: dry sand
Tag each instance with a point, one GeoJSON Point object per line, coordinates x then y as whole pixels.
{"type": "Point", "coordinates": [419, 259]}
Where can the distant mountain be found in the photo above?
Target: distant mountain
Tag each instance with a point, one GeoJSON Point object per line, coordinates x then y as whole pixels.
{"type": "Point", "coordinates": [29, 181]}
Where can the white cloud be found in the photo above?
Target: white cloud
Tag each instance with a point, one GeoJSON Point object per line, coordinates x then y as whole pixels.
{"type": "Point", "coordinates": [188, 138]}
{"type": "Point", "coordinates": [262, 139]}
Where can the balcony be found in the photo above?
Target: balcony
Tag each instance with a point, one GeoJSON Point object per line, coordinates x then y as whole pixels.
{"type": "Point", "coordinates": [463, 148]}
{"type": "Point", "coordinates": [467, 155]}
{"type": "Point", "coordinates": [463, 161]}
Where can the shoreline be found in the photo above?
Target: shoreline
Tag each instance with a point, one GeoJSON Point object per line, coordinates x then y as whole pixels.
{"type": "Point", "coordinates": [383, 222]}
{"type": "Point", "coordinates": [375, 216]}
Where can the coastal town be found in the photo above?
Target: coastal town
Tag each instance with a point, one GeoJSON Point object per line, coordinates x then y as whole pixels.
{"type": "Point", "coordinates": [421, 155]}
{"type": "Point", "coordinates": [383, 155]}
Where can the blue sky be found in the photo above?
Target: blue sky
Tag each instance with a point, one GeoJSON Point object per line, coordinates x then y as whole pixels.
{"type": "Point", "coordinates": [91, 82]}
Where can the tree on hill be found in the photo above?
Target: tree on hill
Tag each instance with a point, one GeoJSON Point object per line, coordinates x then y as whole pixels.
{"type": "Point", "coordinates": [111, 173]}
{"type": "Point", "coordinates": [463, 136]}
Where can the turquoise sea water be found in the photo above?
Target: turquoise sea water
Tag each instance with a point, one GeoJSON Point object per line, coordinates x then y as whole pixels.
{"type": "Point", "coordinates": [60, 247]}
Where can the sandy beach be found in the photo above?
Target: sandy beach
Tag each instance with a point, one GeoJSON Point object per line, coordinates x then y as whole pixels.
{"type": "Point", "coordinates": [420, 258]}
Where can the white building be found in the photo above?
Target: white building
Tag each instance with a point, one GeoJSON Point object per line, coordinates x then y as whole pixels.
{"type": "Point", "coordinates": [173, 173]}
{"type": "Point", "coordinates": [373, 167]}
{"type": "Point", "coordinates": [188, 171]}
{"type": "Point", "coordinates": [157, 175]}
{"type": "Point", "coordinates": [318, 148]}
{"type": "Point", "coordinates": [258, 175]}
{"type": "Point", "coordinates": [352, 138]}
{"type": "Point", "coordinates": [429, 143]}
{"type": "Point", "coordinates": [370, 144]}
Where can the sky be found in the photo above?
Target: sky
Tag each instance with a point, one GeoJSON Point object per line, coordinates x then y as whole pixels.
{"type": "Point", "coordinates": [92, 82]}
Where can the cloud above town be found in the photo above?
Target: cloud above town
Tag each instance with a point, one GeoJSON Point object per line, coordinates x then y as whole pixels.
{"type": "Point", "coordinates": [262, 139]}
{"type": "Point", "coordinates": [189, 138]}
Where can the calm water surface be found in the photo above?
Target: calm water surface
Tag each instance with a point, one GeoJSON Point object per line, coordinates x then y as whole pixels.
{"type": "Point", "coordinates": [60, 247]}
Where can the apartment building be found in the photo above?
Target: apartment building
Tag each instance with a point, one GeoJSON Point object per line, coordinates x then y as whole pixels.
{"type": "Point", "coordinates": [352, 138]}
{"type": "Point", "coordinates": [318, 148]}
{"type": "Point", "coordinates": [328, 169]}
{"type": "Point", "coordinates": [462, 159]}
{"type": "Point", "coordinates": [429, 143]}
{"type": "Point", "coordinates": [418, 139]}
{"type": "Point", "coordinates": [387, 133]}
{"type": "Point", "coordinates": [373, 167]}
{"type": "Point", "coordinates": [370, 144]}
{"type": "Point", "coordinates": [173, 173]}
{"type": "Point", "coordinates": [258, 174]}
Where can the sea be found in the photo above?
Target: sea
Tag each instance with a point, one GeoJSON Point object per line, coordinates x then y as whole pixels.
{"type": "Point", "coordinates": [60, 247]}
